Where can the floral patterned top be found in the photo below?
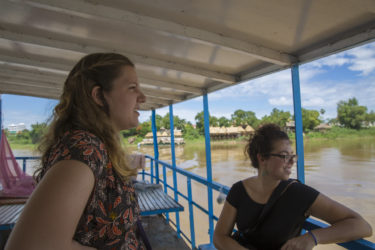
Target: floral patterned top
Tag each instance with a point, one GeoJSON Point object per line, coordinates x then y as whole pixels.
{"type": "Point", "coordinates": [109, 220]}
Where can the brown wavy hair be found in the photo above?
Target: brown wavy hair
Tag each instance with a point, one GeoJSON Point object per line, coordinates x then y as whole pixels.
{"type": "Point", "coordinates": [77, 108]}
{"type": "Point", "coordinates": [262, 142]}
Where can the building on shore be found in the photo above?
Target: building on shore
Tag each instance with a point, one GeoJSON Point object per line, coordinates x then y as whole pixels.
{"type": "Point", "coordinates": [225, 133]}
{"type": "Point", "coordinates": [323, 127]}
{"type": "Point", "coordinates": [16, 128]}
{"type": "Point", "coordinates": [163, 137]}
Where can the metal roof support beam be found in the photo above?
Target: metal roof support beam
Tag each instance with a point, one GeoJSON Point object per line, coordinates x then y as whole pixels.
{"type": "Point", "coordinates": [163, 95]}
{"type": "Point", "coordinates": [81, 47]}
{"type": "Point", "coordinates": [98, 11]}
{"type": "Point", "coordinates": [171, 85]}
{"type": "Point", "coordinates": [298, 123]}
{"type": "Point", "coordinates": [173, 154]}
{"type": "Point", "coordinates": [17, 89]}
{"type": "Point", "coordinates": [344, 42]}
{"type": "Point", "coordinates": [17, 74]}
{"type": "Point", "coordinates": [149, 106]}
{"type": "Point", "coordinates": [36, 61]}
{"type": "Point", "coordinates": [156, 100]}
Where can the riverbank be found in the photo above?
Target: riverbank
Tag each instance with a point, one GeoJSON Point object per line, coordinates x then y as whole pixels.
{"type": "Point", "coordinates": [332, 134]}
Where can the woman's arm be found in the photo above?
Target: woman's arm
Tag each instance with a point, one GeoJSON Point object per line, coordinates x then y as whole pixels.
{"type": "Point", "coordinates": [52, 213]}
{"type": "Point", "coordinates": [224, 227]}
{"type": "Point", "coordinates": [346, 225]}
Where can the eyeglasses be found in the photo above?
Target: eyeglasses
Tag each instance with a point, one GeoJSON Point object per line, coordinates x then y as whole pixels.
{"type": "Point", "coordinates": [287, 158]}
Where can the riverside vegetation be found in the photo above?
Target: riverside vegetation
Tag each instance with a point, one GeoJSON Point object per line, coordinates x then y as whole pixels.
{"type": "Point", "coordinates": [353, 120]}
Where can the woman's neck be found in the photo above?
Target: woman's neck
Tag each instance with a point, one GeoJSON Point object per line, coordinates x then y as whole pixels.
{"type": "Point", "coordinates": [266, 182]}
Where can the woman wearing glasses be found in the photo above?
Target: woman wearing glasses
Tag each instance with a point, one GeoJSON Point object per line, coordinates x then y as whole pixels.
{"type": "Point", "coordinates": [269, 209]}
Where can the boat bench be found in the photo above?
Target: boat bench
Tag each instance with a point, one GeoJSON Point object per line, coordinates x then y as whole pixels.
{"type": "Point", "coordinates": [207, 247]}
{"type": "Point", "coordinates": [154, 201]}
{"type": "Point", "coordinates": [151, 201]}
{"type": "Point", "coordinates": [9, 215]}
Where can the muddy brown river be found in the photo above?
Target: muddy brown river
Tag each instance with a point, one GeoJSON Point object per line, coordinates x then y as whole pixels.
{"type": "Point", "coordinates": [343, 169]}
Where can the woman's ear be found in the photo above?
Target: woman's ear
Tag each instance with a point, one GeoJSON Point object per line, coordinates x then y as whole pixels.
{"type": "Point", "coordinates": [260, 158]}
{"type": "Point", "coordinates": [97, 95]}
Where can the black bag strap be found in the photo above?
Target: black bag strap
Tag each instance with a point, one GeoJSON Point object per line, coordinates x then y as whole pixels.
{"type": "Point", "coordinates": [276, 194]}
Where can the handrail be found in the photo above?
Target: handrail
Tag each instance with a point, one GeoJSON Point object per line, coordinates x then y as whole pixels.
{"type": "Point", "coordinates": [310, 223]}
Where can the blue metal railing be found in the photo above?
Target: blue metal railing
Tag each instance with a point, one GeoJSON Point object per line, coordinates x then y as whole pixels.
{"type": "Point", "coordinates": [310, 224]}
{"type": "Point", "coordinates": [24, 159]}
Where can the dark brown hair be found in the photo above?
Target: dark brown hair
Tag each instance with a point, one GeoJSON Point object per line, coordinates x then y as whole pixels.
{"type": "Point", "coordinates": [262, 142]}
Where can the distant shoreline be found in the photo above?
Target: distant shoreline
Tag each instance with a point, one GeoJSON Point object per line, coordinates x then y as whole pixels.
{"type": "Point", "coordinates": [333, 134]}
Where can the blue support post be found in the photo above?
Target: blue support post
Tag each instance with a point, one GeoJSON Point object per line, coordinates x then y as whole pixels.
{"type": "Point", "coordinates": [191, 215]}
{"type": "Point", "coordinates": [152, 171]}
{"type": "Point", "coordinates": [174, 167]}
{"type": "Point", "coordinates": [165, 188]}
{"type": "Point", "coordinates": [156, 150]}
{"type": "Point", "coordinates": [298, 123]}
{"type": "Point", "coordinates": [24, 165]}
{"type": "Point", "coordinates": [208, 168]}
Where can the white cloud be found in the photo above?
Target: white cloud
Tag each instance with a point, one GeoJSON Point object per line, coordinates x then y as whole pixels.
{"type": "Point", "coordinates": [281, 101]}
{"type": "Point", "coordinates": [331, 61]}
{"type": "Point", "coordinates": [363, 59]}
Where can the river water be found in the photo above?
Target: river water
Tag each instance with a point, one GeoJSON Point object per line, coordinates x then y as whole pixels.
{"type": "Point", "coordinates": [343, 169]}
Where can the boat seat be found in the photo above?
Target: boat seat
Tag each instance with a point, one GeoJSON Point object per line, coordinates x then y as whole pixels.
{"type": "Point", "coordinates": [152, 200]}
{"type": "Point", "coordinates": [207, 247]}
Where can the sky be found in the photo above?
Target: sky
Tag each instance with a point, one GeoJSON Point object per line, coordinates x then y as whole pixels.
{"type": "Point", "coordinates": [324, 83]}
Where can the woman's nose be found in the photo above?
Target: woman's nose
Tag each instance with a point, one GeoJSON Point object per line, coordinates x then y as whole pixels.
{"type": "Point", "coordinates": [141, 97]}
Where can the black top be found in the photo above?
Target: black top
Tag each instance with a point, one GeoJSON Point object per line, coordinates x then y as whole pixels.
{"type": "Point", "coordinates": [284, 221]}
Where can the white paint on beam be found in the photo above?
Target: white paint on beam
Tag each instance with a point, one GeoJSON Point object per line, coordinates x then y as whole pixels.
{"type": "Point", "coordinates": [79, 46]}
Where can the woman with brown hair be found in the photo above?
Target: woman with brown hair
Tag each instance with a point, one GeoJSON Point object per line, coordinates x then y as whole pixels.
{"type": "Point", "coordinates": [84, 198]}
{"type": "Point", "coordinates": [269, 209]}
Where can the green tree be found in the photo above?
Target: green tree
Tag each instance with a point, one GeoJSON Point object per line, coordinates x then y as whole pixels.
{"type": "Point", "coordinates": [370, 118]}
{"type": "Point", "coordinates": [190, 132]}
{"type": "Point", "coordinates": [350, 114]}
{"type": "Point", "coordinates": [243, 118]}
{"type": "Point", "coordinates": [129, 132]}
{"type": "Point", "coordinates": [278, 117]}
{"type": "Point", "coordinates": [224, 122]}
{"type": "Point", "coordinates": [144, 128]}
{"type": "Point", "coordinates": [178, 123]}
{"type": "Point", "coordinates": [310, 119]}
{"type": "Point", "coordinates": [37, 131]}
{"type": "Point", "coordinates": [199, 121]}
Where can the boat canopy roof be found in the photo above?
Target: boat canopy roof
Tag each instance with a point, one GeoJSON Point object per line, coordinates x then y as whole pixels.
{"type": "Point", "coordinates": [182, 48]}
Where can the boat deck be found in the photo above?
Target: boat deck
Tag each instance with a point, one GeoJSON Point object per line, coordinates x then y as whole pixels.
{"type": "Point", "coordinates": [162, 235]}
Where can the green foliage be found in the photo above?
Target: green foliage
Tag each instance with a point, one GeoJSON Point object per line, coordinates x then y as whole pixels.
{"type": "Point", "coordinates": [37, 132]}
{"type": "Point", "coordinates": [338, 132]}
{"type": "Point", "coordinates": [190, 133]}
{"type": "Point", "coordinates": [243, 118]}
{"type": "Point", "coordinates": [278, 117]}
{"type": "Point", "coordinates": [178, 123]}
{"type": "Point", "coordinates": [350, 114]}
{"type": "Point", "coordinates": [310, 119]}
{"type": "Point", "coordinates": [370, 118]}
{"type": "Point", "coordinates": [224, 122]}
{"type": "Point", "coordinates": [199, 121]}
